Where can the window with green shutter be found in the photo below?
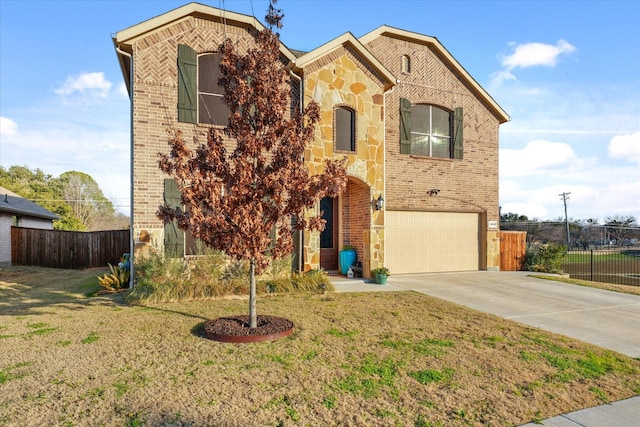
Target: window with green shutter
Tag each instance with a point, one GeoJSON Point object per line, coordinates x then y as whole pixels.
{"type": "Point", "coordinates": [200, 97]}
{"type": "Point", "coordinates": [430, 131]}
{"type": "Point", "coordinates": [405, 126]}
{"type": "Point", "coordinates": [173, 236]}
{"type": "Point", "coordinates": [187, 89]}
{"type": "Point", "coordinates": [457, 133]}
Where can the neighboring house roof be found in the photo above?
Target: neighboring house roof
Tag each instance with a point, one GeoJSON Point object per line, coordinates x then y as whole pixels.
{"type": "Point", "coordinates": [347, 39]}
{"type": "Point", "coordinates": [397, 33]}
{"type": "Point", "coordinates": [123, 40]}
{"type": "Point", "coordinates": [14, 204]}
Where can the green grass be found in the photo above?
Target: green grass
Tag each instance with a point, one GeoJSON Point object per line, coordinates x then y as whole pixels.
{"type": "Point", "coordinates": [284, 401]}
{"type": "Point", "coordinates": [91, 338]}
{"type": "Point", "coordinates": [585, 258]}
{"type": "Point", "coordinates": [40, 325]}
{"type": "Point", "coordinates": [429, 346]}
{"type": "Point", "coordinates": [371, 377]}
{"type": "Point", "coordinates": [398, 358]}
{"type": "Point", "coordinates": [14, 372]}
{"type": "Point", "coordinates": [432, 375]}
{"type": "Point", "coordinates": [342, 334]}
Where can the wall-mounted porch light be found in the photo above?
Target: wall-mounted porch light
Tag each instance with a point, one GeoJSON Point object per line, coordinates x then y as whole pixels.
{"type": "Point", "coordinates": [378, 203]}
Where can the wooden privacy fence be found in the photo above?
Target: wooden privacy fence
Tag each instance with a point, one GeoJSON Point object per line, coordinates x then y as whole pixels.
{"type": "Point", "coordinates": [513, 248]}
{"type": "Point", "coordinates": [67, 249]}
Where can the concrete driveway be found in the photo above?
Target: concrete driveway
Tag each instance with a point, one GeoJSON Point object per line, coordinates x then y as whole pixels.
{"type": "Point", "coordinates": [604, 318]}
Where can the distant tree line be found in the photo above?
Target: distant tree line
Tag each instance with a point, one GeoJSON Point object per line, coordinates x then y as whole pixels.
{"type": "Point", "coordinates": [617, 230]}
{"type": "Point", "coordinates": [74, 196]}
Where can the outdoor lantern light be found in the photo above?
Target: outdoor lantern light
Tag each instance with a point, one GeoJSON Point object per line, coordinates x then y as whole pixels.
{"type": "Point", "coordinates": [379, 202]}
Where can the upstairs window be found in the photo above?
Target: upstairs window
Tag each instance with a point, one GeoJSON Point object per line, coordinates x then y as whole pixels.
{"type": "Point", "coordinates": [428, 130]}
{"type": "Point", "coordinates": [345, 129]}
{"type": "Point", "coordinates": [406, 64]}
{"type": "Point", "coordinates": [211, 106]}
{"type": "Point", "coordinates": [200, 97]}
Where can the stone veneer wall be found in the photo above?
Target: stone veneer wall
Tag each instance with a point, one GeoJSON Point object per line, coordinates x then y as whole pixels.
{"type": "Point", "coordinates": [467, 185]}
{"type": "Point", "coordinates": [340, 78]}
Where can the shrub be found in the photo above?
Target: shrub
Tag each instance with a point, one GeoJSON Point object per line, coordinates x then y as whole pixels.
{"type": "Point", "coordinates": [214, 275]}
{"type": "Point", "coordinates": [381, 270]}
{"type": "Point", "coordinates": [547, 259]}
{"type": "Point", "coordinates": [117, 279]}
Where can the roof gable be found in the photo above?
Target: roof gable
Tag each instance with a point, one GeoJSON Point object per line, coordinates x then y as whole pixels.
{"type": "Point", "coordinates": [386, 31]}
{"type": "Point", "coordinates": [14, 204]}
{"type": "Point", "coordinates": [347, 39]}
{"type": "Point", "coordinates": [124, 39]}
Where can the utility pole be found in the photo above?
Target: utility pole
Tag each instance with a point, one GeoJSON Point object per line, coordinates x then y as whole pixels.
{"type": "Point", "coordinates": [565, 197]}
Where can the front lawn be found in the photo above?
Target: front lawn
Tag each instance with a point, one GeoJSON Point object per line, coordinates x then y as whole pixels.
{"type": "Point", "coordinates": [401, 359]}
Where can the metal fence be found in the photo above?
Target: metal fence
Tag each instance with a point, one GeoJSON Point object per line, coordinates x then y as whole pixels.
{"type": "Point", "coordinates": [609, 266]}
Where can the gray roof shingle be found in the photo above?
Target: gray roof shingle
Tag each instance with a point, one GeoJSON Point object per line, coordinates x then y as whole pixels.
{"type": "Point", "coordinates": [17, 205]}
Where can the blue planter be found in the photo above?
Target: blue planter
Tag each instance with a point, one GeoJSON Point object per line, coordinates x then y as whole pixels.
{"type": "Point", "coordinates": [348, 257]}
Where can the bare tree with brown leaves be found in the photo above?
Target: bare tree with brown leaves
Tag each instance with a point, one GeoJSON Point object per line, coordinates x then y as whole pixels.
{"type": "Point", "coordinates": [234, 201]}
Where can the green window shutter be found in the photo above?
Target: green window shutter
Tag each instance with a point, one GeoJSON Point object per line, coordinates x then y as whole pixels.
{"type": "Point", "coordinates": [187, 89]}
{"type": "Point", "coordinates": [173, 236]}
{"type": "Point", "coordinates": [405, 126]}
{"type": "Point", "coordinates": [457, 133]}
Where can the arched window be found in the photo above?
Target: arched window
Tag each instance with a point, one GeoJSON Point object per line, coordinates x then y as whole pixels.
{"type": "Point", "coordinates": [345, 129]}
{"type": "Point", "coordinates": [406, 64]}
{"type": "Point", "coordinates": [428, 130]}
{"type": "Point", "coordinates": [199, 94]}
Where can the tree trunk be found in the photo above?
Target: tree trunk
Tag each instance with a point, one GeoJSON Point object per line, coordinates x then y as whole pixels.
{"type": "Point", "coordinates": [253, 316]}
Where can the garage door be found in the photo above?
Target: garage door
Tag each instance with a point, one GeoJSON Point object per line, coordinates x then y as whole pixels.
{"type": "Point", "coordinates": [425, 242]}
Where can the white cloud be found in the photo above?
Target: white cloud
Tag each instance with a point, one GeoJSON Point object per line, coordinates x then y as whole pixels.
{"type": "Point", "coordinates": [8, 126]}
{"type": "Point", "coordinates": [625, 147]}
{"type": "Point", "coordinates": [536, 157]}
{"type": "Point", "coordinates": [500, 77]}
{"type": "Point", "coordinates": [87, 86]}
{"type": "Point", "coordinates": [536, 54]}
{"type": "Point", "coordinates": [529, 55]}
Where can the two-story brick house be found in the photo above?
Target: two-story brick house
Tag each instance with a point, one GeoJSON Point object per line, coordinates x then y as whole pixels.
{"type": "Point", "coordinates": [419, 133]}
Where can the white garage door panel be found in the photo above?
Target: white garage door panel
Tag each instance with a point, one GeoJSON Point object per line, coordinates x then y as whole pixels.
{"type": "Point", "coordinates": [424, 242]}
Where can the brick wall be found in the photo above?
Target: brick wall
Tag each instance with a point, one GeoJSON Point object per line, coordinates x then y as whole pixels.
{"type": "Point", "coordinates": [155, 109]}
{"type": "Point", "coordinates": [470, 184]}
{"type": "Point", "coordinates": [467, 185]}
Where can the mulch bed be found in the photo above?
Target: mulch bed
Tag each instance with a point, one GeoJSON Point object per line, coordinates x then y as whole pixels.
{"type": "Point", "coordinates": [235, 329]}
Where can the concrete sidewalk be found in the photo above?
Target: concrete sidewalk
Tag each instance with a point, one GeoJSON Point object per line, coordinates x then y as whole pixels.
{"type": "Point", "coordinates": [604, 318]}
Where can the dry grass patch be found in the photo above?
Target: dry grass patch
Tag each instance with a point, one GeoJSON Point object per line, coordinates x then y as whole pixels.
{"type": "Point", "coordinates": [354, 359]}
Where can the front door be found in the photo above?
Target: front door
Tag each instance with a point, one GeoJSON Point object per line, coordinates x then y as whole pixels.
{"type": "Point", "coordinates": [329, 237]}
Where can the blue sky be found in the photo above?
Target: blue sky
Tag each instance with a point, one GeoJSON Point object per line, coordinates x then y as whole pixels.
{"type": "Point", "coordinates": [568, 74]}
